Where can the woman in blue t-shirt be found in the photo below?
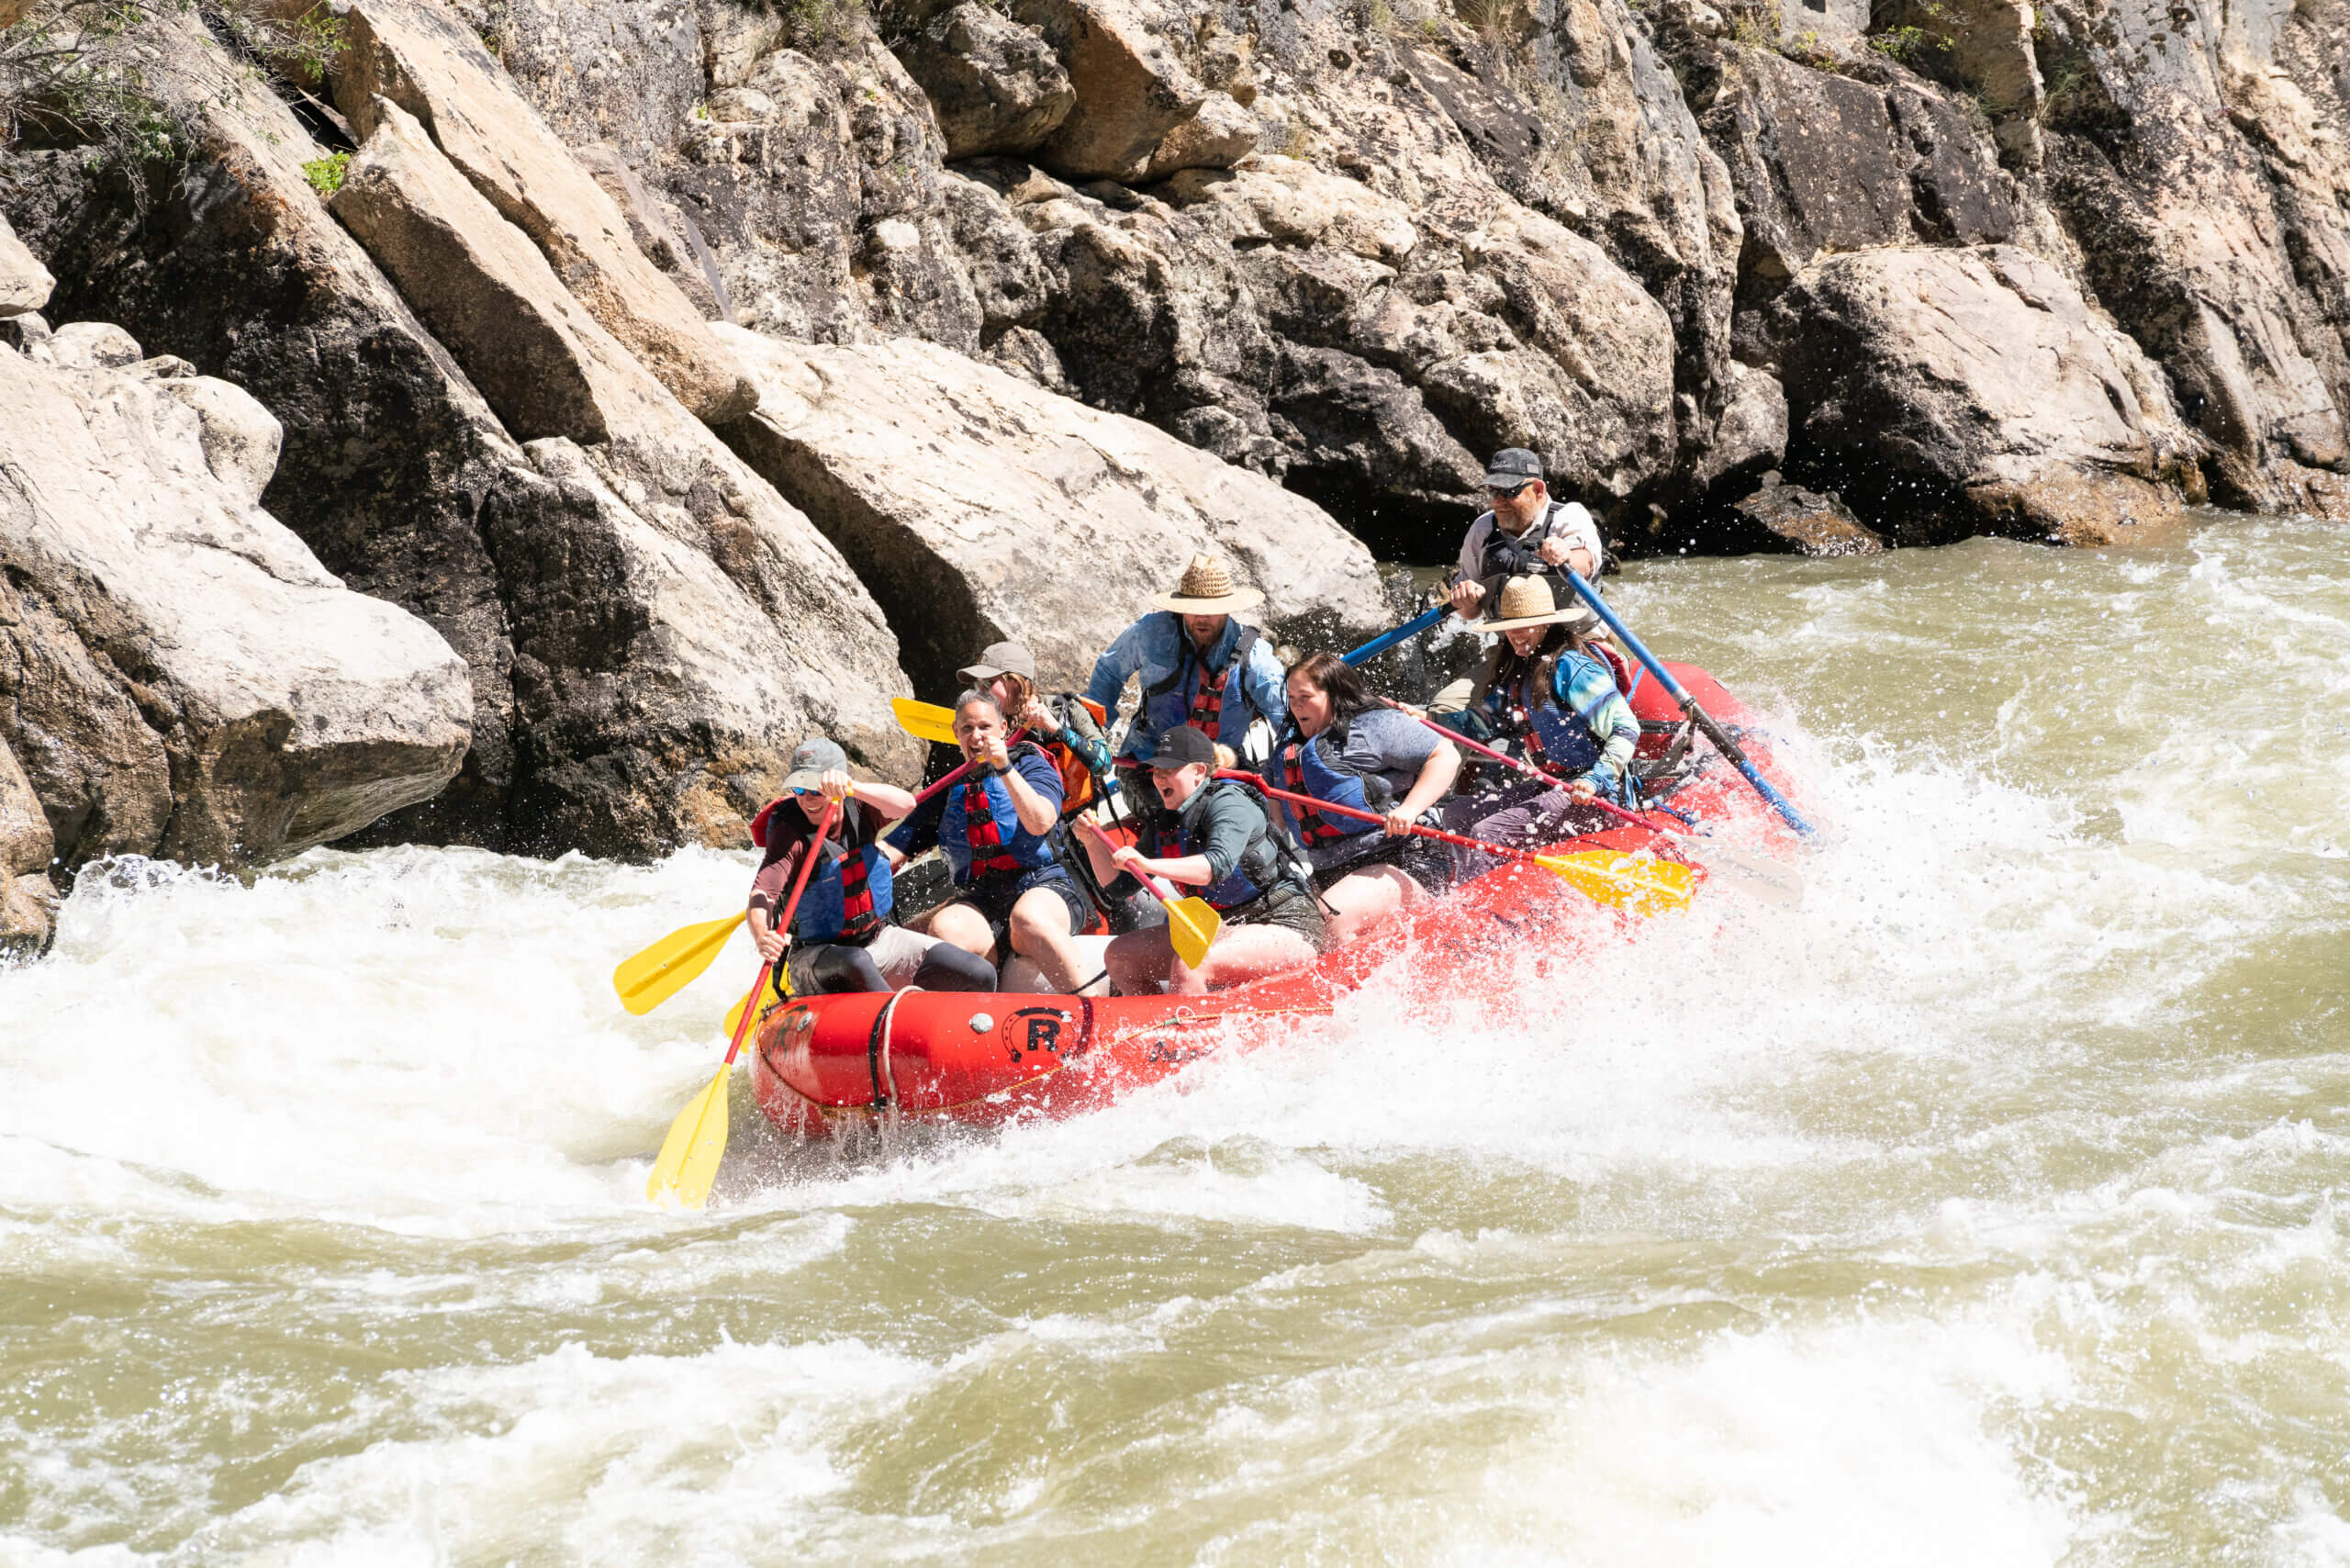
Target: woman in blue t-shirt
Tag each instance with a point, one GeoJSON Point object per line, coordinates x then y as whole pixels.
{"type": "Point", "coordinates": [1342, 747]}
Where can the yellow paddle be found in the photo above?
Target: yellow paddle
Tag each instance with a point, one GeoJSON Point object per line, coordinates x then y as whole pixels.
{"type": "Point", "coordinates": [925, 720]}
{"type": "Point", "coordinates": [1191, 923]}
{"type": "Point", "coordinates": [658, 973]}
{"type": "Point", "coordinates": [1639, 884]}
{"type": "Point", "coordinates": [735, 1014]}
{"type": "Point", "coordinates": [688, 1162]}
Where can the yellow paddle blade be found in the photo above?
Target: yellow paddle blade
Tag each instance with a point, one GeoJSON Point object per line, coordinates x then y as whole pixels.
{"type": "Point", "coordinates": [1634, 883]}
{"type": "Point", "coordinates": [1192, 926]}
{"type": "Point", "coordinates": [926, 720]}
{"type": "Point", "coordinates": [658, 973]}
{"type": "Point", "coordinates": [690, 1155]}
{"type": "Point", "coordinates": [735, 1014]}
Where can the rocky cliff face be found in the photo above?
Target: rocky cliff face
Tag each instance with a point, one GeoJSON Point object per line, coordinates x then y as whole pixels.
{"type": "Point", "coordinates": [1813, 273]}
{"type": "Point", "coordinates": [178, 675]}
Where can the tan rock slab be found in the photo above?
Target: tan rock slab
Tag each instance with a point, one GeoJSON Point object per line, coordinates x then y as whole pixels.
{"type": "Point", "coordinates": [979, 506]}
{"type": "Point", "coordinates": [423, 59]}
{"type": "Point", "coordinates": [25, 284]}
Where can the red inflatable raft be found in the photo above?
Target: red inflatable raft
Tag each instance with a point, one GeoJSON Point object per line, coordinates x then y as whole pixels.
{"type": "Point", "coordinates": [984, 1057]}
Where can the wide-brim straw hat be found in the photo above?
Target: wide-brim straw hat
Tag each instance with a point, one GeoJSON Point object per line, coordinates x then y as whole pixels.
{"type": "Point", "coordinates": [1208, 588]}
{"type": "Point", "coordinates": [1526, 602]}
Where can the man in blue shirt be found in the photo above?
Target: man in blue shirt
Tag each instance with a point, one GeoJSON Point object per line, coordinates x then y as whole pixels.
{"type": "Point", "coordinates": [1198, 666]}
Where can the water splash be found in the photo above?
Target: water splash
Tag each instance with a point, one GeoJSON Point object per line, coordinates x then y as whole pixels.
{"type": "Point", "coordinates": [1985, 1209]}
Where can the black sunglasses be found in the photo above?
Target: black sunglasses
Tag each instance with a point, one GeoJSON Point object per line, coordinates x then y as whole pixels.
{"type": "Point", "coordinates": [1509, 495]}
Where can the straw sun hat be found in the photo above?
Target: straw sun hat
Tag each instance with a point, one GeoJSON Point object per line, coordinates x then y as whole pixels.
{"type": "Point", "coordinates": [1526, 602]}
{"type": "Point", "coordinates": [1207, 588]}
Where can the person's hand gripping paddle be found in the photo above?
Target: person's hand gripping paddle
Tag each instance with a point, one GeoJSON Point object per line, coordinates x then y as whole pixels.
{"type": "Point", "coordinates": [1191, 923]}
{"type": "Point", "coordinates": [687, 1164]}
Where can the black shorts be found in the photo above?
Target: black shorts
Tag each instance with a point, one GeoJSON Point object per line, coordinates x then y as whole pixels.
{"type": "Point", "coordinates": [994, 896]}
{"type": "Point", "coordinates": [1298, 912]}
{"type": "Point", "coordinates": [1425, 861]}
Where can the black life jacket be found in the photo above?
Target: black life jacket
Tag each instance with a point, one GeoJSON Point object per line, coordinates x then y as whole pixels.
{"type": "Point", "coordinates": [1505, 556]}
{"type": "Point", "coordinates": [1263, 866]}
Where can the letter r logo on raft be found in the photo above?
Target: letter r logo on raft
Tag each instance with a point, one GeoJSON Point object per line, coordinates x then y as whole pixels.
{"type": "Point", "coordinates": [1033, 1030]}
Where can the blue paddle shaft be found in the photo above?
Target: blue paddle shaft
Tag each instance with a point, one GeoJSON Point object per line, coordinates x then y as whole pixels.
{"type": "Point", "coordinates": [1387, 640]}
{"type": "Point", "coordinates": [1722, 740]}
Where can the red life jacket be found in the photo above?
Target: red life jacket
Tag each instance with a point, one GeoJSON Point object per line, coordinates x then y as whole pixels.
{"type": "Point", "coordinates": [1207, 703]}
{"type": "Point", "coordinates": [1311, 826]}
{"type": "Point", "coordinates": [982, 832]}
{"type": "Point", "coordinates": [859, 919]}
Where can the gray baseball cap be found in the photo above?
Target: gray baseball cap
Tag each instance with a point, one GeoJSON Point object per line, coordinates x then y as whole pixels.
{"type": "Point", "coordinates": [1512, 466]}
{"type": "Point", "coordinates": [812, 762]}
{"type": "Point", "coordinates": [999, 658]}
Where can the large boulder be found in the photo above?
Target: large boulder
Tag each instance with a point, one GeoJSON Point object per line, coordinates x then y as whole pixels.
{"type": "Point", "coordinates": [978, 507]}
{"type": "Point", "coordinates": [2196, 156]}
{"type": "Point", "coordinates": [995, 85]}
{"type": "Point", "coordinates": [1130, 88]}
{"type": "Point", "coordinates": [1814, 156]}
{"type": "Point", "coordinates": [1780, 517]}
{"type": "Point", "coordinates": [723, 581]}
{"type": "Point", "coordinates": [421, 59]}
{"type": "Point", "coordinates": [1962, 391]}
{"type": "Point", "coordinates": [595, 618]}
{"type": "Point", "coordinates": [483, 289]}
{"type": "Point", "coordinates": [180, 676]}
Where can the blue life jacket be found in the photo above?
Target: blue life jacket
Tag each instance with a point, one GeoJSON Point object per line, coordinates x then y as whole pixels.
{"type": "Point", "coordinates": [1318, 768]}
{"type": "Point", "coordinates": [848, 895]}
{"type": "Point", "coordinates": [1565, 740]}
{"type": "Point", "coordinates": [1261, 866]}
{"type": "Point", "coordinates": [1195, 695]}
{"type": "Point", "coordinates": [979, 831]}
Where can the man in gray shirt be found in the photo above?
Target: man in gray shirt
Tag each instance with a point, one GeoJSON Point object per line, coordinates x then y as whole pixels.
{"type": "Point", "coordinates": [1526, 534]}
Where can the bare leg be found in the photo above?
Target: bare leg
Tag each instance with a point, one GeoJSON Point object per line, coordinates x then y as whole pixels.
{"type": "Point", "coordinates": [1241, 954]}
{"type": "Point", "coordinates": [1138, 961]}
{"type": "Point", "coordinates": [1087, 958]}
{"type": "Point", "coordinates": [1361, 902]}
{"type": "Point", "coordinates": [1022, 975]}
{"type": "Point", "coordinates": [966, 927]}
{"type": "Point", "coordinates": [1092, 962]}
{"type": "Point", "coordinates": [1039, 932]}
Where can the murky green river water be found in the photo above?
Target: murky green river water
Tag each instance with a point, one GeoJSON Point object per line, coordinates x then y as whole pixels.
{"type": "Point", "coordinates": [1990, 1210]}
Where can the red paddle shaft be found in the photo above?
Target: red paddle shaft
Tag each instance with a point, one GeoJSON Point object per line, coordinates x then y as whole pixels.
{"type": "Point", "coordinates": [1163, 891]}
{"type": "Point", "coordinates": [783, 922]}
{"type": "Point", "coordinates": [1017, 737]}
{"type": "Point", "coordinates": [1526, 767]}
{"type": "Point", "coordinates": [1423, 830]}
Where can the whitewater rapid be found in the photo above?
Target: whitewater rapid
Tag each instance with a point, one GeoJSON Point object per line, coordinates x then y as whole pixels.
{"type": "Point", "coordinates": [1989, 1209]}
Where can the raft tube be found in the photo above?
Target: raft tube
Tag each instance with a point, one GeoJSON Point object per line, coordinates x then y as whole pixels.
{"type": "Point", "coordinates": [823, 1064]}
